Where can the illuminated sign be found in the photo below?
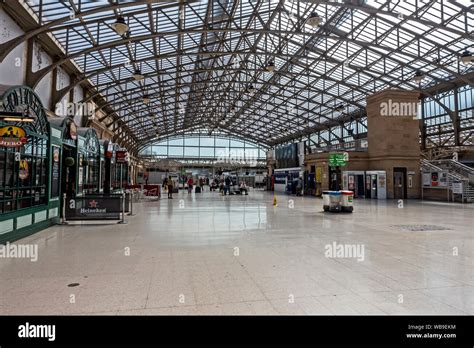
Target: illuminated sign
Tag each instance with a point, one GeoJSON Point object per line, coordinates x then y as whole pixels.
{"type": "Point", "coordinates": [12, 136]}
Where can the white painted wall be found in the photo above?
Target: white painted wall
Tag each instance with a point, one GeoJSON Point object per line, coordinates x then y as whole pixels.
{"type": "Point", "coordinates": [13, 68]}
{"type": "Point", "coordinates": [78, 95]}
{"type": "Point", "coordinates": [44, 87]}
{"type": "Point", "coordinates": [61, 82]}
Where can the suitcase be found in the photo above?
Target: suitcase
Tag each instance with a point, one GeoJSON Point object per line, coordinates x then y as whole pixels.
{"type": "Point", "coordinates": [198, 189]}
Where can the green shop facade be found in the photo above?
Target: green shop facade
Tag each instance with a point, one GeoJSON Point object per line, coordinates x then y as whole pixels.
{"type": "Point", "coordinates": [40, 162]}
{"type": "Point", "coordinates": [28, 200]}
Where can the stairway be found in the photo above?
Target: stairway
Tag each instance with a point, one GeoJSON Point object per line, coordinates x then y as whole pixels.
{"type": "Point", "coordinates": [457, 173]}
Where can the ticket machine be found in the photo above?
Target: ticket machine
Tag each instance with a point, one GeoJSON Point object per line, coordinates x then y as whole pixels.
{"type": "Point", "coordinates": [376, 184]}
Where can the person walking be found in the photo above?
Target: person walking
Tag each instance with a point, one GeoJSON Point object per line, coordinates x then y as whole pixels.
{"type": "Point", "coordinates": [190, 185]}
{"type": "Point", "coordinates": [170, 188]}
{"type": "Point", "coordinates": [299, 187]}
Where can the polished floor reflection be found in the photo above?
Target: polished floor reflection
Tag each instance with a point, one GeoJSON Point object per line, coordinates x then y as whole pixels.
{"type": "Point", "coordinates": [209, 254]}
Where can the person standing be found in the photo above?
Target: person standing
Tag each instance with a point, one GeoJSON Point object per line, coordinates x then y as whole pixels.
{"type": "Point", "coordinates": [170, 188]}
{"type": "Point", "coordinates": [201, 183]}
{"type": "Point", "coordinates": [228, 182]}
{"type": "Point", "coordinates": [165, 184]}
{"type": "Point", "coordinates": [299, 187]}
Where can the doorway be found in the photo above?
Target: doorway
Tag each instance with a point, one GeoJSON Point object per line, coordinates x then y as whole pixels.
{"type": "Point", "coordinates": [399, 183]}
{"type": "Point", "coordinates": [68, 173]}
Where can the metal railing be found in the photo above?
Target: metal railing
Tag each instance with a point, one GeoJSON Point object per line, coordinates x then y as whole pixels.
{"type": "Point", "coordinates": [461, 169]}
{"type": "Point", "coordinates": [456, 173]}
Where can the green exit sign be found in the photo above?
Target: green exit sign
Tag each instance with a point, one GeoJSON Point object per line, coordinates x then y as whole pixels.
{"type": "Point", "coordinates": [338, 159]}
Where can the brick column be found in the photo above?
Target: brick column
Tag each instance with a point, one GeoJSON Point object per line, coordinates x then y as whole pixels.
{"type": "Point", "coordinates": [393, 136]}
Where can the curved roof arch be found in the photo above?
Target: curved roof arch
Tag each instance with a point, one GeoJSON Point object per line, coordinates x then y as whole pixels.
{"type": "Point", "coordinates": [199, 59]}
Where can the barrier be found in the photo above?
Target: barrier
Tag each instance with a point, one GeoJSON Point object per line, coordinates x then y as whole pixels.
{"type": "Point", "coordinates": [95, 207]}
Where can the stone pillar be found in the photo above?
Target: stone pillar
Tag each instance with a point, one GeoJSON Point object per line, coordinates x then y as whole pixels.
{"type": "Point", "coordinates": [393, 125]}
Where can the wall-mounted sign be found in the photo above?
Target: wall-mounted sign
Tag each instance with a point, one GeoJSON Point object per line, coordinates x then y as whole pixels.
{"type": "Point", "coordinates": [24, 170]}
{"type": "Point", "coordinates": [439, 179]}
{"type": "Point", "coordinates": [121, 156]}
{"type": "Point", "coordinates": [338, 159]}
{"type": "Point", "coordinates": [109, 151]}
{"type": "Point", "coordinates": [55, 172]}
{"type": "Point", "coordinates": [426, 179]}
{"type": "Point", "coordinates": [319, 172]}
{"type": "Point", "coordinates": [12, 136]}
{"type": "Point", "coordinates": [72, 131]}
{"type": "Point", "coordinates": [457, 188]}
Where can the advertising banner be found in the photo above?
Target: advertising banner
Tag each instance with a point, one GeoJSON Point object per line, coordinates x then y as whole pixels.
{"type": "Point", "coordinates": [121, 156]}
{"type": "Point", "coordinates": [94, 207]}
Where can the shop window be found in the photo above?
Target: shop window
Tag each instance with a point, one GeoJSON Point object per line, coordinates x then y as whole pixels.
{"type": "Point", "coordinates": [23, 175]}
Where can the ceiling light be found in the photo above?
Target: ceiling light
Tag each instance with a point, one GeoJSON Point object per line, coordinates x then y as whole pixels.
{"type": "Point", "coordinates": [137, 75]}
{"type": "Point", "coordinates": [466, 58]}
{"type": "Point", "coordinates": [146, 99]}
{"type": "Point", "coordinates": [15, 117]}
{"type": "Point", "coordinates": [419, 76]}
{"type": "Point", "coordinates": [340, 108]}
{"type": "Point", "coordinates": [251, 89]}
{"type": "Point", "coordinates": [314, 20]}
{"type": "Point", "coordinates": [270, 66]}
{"type": "Point", "coordinates": [120, 26]}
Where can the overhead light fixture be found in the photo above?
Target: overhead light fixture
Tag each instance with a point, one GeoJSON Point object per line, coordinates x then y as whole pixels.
{"type": "Point", "coordinates": [251, 89]}
{"type": "Point", "coordinates": [270, 66]}
{"type": "Point", "coordinates": [137, 75]}
{"type": "Point", "coordinates": [419, 76]}
{"type": "Point", "coordinates": [8, 116]}
{"type": "Point", "coordinates": [466, 57]}
{"type": "Point", "coordinates": [120, 26]}
{"type": "Point", "coordinates": [314, 20]}
{"type": "Point", "coordinates": [339, 108]}
{"type": "Point", "coordinates": [146, 99]}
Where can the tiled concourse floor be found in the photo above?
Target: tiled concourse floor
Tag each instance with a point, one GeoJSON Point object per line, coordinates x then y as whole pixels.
{"type": "Point", "coordinates": [208, 254]}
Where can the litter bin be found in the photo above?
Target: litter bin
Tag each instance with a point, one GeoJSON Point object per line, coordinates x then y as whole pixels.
{"type": "Point", "coordinates": [334, 200]}
{"type": "Point", "coordinates": [347, 199]}
{"type": "Point", "coordinates": [326, 200]}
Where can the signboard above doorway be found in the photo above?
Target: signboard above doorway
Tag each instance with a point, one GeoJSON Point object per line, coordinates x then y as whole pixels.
{"type": "Point", "coordinates": [338, 159]}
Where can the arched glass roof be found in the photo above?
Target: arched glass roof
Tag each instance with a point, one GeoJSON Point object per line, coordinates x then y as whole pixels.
{"type": "Point", "coordinates": [205, 62]}
{"type": "Point", "coordinates": [196, 146]}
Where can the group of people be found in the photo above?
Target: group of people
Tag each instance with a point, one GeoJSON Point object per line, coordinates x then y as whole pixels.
{"type": "Point", "coordinates": [224, 185]}
{"type": "Point", "coordinates": [199, 183]}
{"type": "Point", "coordinates": [296, 184]}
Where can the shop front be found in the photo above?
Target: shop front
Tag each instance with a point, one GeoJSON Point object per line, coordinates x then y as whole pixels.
{"type": "Point", "coordinates": [122, 170]}
{"type": "Point", "coordinates": [116, 168]}
{"type": "Point", "coordinates": [89, 162]}
{"type": "Point", "coordinates": [64, 147]}
{"type": "Point", "coordinates": [29, 195]}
